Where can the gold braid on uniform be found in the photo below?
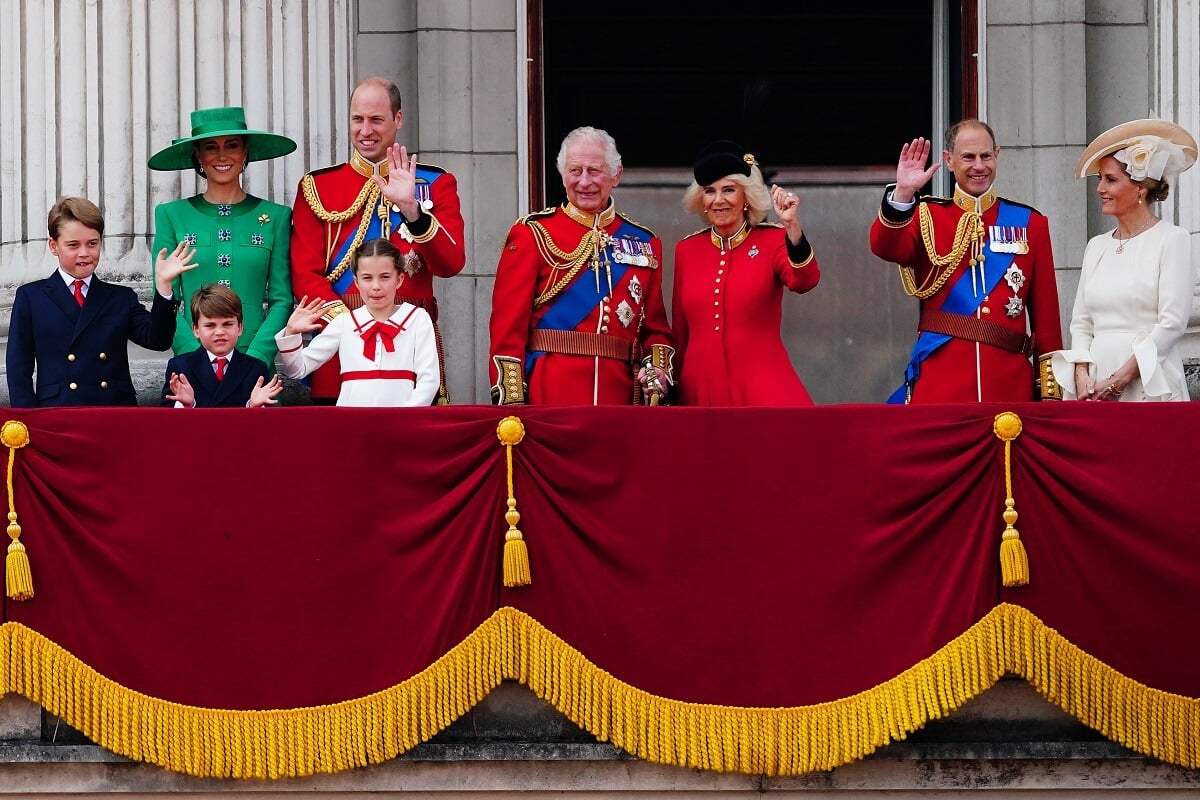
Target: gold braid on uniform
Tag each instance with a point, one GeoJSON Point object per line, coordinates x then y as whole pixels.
{"type": "Point", "coordinates": [369, 195]}
{"type": "Point", "coordinates": [969, 233]}
{"type": "Point", "coordinates": [559, 259]}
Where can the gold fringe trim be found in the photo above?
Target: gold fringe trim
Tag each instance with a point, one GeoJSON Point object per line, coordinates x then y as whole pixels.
{"type": "Point", "coordinates": [802, 739]}
{"type": "Point", "coordinates": [512, 644]}
{"type": "Point", "coordinates": [280, 743]}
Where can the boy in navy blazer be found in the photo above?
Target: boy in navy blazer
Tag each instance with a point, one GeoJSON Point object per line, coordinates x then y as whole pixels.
{"type": "Point", "coordinates": [73, 327]}
{"type": "Point", "coordinates": [218, 375]}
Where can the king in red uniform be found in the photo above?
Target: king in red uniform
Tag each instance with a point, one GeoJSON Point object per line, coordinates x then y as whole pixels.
{"type": "Point", "coordinates": [380, 192]}
{"type": "Point", "coordinates": [982, 268]}
{"type": "Point", "coordinates": [577, 309]}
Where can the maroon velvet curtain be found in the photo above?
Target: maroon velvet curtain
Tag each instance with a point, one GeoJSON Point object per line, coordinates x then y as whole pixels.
{"type": "Point", "coordinates": [748, 557]}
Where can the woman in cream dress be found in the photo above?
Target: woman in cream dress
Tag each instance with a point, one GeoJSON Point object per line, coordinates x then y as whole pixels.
{"type": "Point", "coordinates": [1137, 281]}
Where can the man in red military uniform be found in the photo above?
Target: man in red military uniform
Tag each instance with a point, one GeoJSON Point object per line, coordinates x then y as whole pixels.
{"type": "Point", "coordinates": [577, 309]}
{"type": "Point", "coordinates": [982, 268]}
{"type": "Point", "coordinates": [380, 192]}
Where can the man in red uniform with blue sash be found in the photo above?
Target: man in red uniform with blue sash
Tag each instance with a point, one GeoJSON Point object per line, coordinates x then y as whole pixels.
{"type": "Point", "coordinates": [577, 309]}
{"type": "Point", "coordinates": [382, 192]}
{"type": "Point", "coordinates": [982, 268]}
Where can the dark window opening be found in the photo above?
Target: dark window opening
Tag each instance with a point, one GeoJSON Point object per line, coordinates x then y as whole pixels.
{"type": "Point", "coordinates": [799, 86]}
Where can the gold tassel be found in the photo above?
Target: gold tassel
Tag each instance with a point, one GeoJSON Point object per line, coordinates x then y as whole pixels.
{"type": "Point", "coordinates": [1014, 562]}
{"type": "Point", "coordinates": [511, 431]}
{"type": "Point", "coordinates": [18, 579]}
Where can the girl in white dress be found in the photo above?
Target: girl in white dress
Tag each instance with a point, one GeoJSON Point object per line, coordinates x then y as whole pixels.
{"type": "Point", "coordinates": [1137, 281]}
{"type": "Point", "coordinates": [388, 352]}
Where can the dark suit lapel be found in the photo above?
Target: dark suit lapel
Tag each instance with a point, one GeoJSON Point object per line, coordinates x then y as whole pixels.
{"type": "Point", "coordinates": [202, 374]}
{"type": "Point", "coordinates": [60, 296]}
{"type": "Point", "coordinates": [99, 295]}
{"type": "Point", "coordinates": [235, 372]}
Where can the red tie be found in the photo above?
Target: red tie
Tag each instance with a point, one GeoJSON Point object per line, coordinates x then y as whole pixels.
{"type": "Point", "coordinates": [221, 362]}
{"type": "Point", "coordinates": [79, 291]}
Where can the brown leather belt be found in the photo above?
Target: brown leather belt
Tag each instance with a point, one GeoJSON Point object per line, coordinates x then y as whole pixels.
{"type": "Point", "coordinates": [975, 330]}
{"type": "Point", "coordinates": [353, 301]}
{"type": "Point", "coordinates": [578, 343]}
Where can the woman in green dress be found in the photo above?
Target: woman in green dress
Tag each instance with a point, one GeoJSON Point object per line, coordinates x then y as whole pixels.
{"type": "Point", "coordinates": [240, 240]}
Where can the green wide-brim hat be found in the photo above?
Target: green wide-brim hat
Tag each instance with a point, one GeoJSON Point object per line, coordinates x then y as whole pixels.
{"type": "Point", "coordinates": [208, 123]}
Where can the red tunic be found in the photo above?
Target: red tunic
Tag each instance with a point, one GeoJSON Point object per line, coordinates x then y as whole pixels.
{"type": "Point", "coordinates": [963, 370]}
{"type": "Point", "coordinates": [726, 309]}
{"type": "Point", "coordinates": [315, 243]}
{"type": "Point", "coordinates": [633, 312]}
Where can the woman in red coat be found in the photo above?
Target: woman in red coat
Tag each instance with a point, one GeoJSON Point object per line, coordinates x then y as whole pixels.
{"type": "Point", "coordinates": [727, 302]}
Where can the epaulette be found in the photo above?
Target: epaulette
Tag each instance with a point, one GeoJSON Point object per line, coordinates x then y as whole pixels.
{"type": "Point", "coordinates": [326, 169]}
{"type": "Point", "coordinates": [765, 224]}
{"type": "Point", "coordinates": [636, 224]}
{"type": "Point", "coordinates": [697, 233]}
{"type": "Point", "coordinates": [1022, 205]}
{"type": "Point", "coordinates": [545, 212]}
{"type": "Point", "coordinates": [430, 167]}
{"type": "Point", "coordinates": [932, 198]}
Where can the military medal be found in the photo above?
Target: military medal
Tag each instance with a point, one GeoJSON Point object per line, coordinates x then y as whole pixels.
{"type": "Point", "coordinates": [753, 251]}
{"type": "Point", "coordinates": [1014, 277]}
{"type": "Point", "coordinates": [1014, 307]}
{"type": "Point", "coordinates": [629, 251]}
{"type": "Point", "coordinates": [625, 313]}
{"type": "Point", "coordinates": [1009, 239]}
{"type": "Point", "coordinates": [635, 289]}
{"type": "Point", "coordinates": [423, 193]}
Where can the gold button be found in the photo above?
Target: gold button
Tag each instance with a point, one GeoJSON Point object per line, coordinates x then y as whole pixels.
{"type": "Point", "coordinates": [74, 386]}
{"type": "Point", "coordinates": [604, 329]}
{"type": "Point", "coordinates": [70, 357]}
{"type": "Point", "coordinates": [103, 384]}
{"type": "Point", "coordinates": [986, 310]}
{"type": "Point", "coordinates": [103, 356]}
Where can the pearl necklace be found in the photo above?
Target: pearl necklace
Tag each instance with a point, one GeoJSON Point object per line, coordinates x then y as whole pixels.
{"type": "Point", "coordinates": [1121, 242]}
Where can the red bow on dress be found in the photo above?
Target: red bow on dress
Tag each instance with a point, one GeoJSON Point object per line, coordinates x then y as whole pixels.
{"type": "Point", "coordinates": [387, 331]}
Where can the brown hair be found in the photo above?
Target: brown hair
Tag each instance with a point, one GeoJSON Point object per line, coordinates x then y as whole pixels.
{"type": "Point", "coordinates": [953, 131]}
{"type": "Point", "coordinates": [378, 247]}
{"type": "Point", "coordinates": [1156, 190]}
{"type": "Point", "coordinates": [385, 84]}
{"type": "Point", "coordinates": [215, 301]}
{"type": "Point", "coordinates": [74, 209]}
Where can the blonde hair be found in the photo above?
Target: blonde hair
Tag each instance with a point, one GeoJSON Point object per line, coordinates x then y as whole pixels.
{"type": "Point", "coordinates": [757, 196]}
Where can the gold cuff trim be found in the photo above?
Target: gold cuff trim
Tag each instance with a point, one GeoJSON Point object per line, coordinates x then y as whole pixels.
{"type": "Point", "coordinates": [1047, 385]}
{"type": "Point", "coordinates": [434, 227]}
{"type": "Point", "coordinates": [333, 309]}
{"type": "Point", "coordinates": [887, 223]}
{"type": "Point", "coordinates": [510, 381]}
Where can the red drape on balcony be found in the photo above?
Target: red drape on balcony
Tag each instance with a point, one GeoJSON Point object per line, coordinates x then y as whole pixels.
{"type": "Point", "coordinates": [766, 558]}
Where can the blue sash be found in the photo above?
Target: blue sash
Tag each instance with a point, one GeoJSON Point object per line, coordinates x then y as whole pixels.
{"type": "Point", "coordinates": [577, 301]}
{"type": "Point", "coordinates": [425, 179]}
{"type": "Point", "coordinates": [961, 299]}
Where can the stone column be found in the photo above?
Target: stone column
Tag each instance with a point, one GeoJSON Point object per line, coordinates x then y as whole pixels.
{"type": "Point", "coordinates": [91, 90]}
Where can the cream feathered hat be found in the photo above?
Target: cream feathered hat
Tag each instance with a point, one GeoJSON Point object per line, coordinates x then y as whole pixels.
{"type": "Point", "coordinates": [1149, 148]}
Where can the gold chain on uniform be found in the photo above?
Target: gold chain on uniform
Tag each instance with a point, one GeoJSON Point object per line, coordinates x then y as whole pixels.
{"type": "Point", "coordinates": [369, 194]}
{"type": "Point", "coordinates": [969, 233]}
{"type": "Point", "coordinates": [558, 259]}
